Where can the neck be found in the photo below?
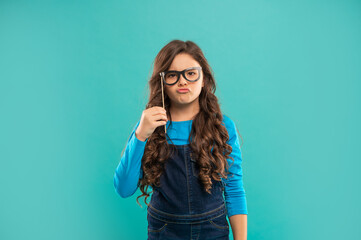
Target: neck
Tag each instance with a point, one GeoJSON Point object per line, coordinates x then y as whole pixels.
{"type": "Point", "coordinates": [184, 112]}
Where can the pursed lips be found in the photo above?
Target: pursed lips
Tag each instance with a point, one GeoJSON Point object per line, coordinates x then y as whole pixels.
{"type": "Point", "coordinates": [182, 90]}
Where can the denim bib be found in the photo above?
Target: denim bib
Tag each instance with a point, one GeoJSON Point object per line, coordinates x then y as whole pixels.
{"type": "Point", "coordinates": [180, 208]}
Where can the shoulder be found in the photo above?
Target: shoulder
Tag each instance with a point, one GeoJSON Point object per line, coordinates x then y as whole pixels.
{"type": "Point", "coordinates": [229, 124]}
{"type": "Point", "coordinates": [232, 132]}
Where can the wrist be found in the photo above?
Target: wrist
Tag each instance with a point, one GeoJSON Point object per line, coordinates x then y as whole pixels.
{"type": "Point", "coordinates": [140, 137]}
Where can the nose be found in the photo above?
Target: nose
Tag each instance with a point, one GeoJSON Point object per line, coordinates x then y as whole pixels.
{"type": "Point", "coordinates": [182, 80]}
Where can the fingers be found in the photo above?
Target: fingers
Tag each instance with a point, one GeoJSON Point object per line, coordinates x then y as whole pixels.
{"type": "Point", "coordinates": [160, 123]}
{"type": "Point", "coordinates": [159, 110]}
{"type": "Point", "coordinates": [160, 117]}
{"type": "Point", "coordinates": [157, 115]}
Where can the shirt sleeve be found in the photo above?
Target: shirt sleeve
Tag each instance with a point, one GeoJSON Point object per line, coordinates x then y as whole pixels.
{"type": "Point", "coordinates": [235, 195]}
{"type": "Point", "coordinates": [129, 171]}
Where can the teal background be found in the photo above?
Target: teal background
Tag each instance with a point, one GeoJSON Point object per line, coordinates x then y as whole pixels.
{"type": "Point", "coordinates": [74, 83]}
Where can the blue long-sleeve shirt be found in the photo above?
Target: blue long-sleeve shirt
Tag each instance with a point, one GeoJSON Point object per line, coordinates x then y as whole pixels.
{"type": "Point", "coordinates": [129, 171]}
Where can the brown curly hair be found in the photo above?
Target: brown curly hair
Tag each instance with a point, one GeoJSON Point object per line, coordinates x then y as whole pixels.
{"type": "Point", "coordinates": [207, 130]}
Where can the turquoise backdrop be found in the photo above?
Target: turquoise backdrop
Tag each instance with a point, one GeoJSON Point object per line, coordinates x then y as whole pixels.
{"type": "Point", "coordinates": [74, 82]}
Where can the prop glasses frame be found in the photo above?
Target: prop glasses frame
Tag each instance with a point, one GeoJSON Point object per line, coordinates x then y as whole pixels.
{"type": "Point", "coordinates": [178, 73]}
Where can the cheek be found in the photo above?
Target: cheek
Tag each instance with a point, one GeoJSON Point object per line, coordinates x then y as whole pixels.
{"type": "Point", "coordinates": [168, 91]}
{"type": "Point", "coordinates": [199, 90]}
{"type": "Point", "coordinates": [199, 87]}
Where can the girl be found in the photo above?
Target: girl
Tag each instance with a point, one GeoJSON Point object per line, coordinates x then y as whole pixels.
{"type": "Point", "coordinates": [181, 152]}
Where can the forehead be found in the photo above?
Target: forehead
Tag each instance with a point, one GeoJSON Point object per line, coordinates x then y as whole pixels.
{"type": "Point", "coordinates": [183, 61]}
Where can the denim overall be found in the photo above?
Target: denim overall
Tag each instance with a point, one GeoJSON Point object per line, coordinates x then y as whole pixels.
{"type": "Point", "coordinates": [180, 208]}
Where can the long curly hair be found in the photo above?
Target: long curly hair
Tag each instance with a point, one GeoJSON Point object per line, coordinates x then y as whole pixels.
{"type": "Point", "coordinates": [206, 132]}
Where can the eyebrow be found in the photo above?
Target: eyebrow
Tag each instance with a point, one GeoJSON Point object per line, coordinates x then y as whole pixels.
{"type": "Point", "coordinates": [183, 69]}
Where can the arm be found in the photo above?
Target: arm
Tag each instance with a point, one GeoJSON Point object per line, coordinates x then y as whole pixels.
{"type": "Point", "coordinates": [239, 226]}
{"type": "Point", "coordinates": [128, 171]}
{"type": "Point", "coordinates": [235, 194]}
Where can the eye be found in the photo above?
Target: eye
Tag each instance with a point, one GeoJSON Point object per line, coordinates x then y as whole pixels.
{"type": "Point", "coordinates": [191, 73]}
{"type": "Point", "coordinates": [170, 75]}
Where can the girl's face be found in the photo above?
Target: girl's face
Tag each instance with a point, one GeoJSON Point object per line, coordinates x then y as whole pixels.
{"type": "Point", "coordinates": [181, 62]}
